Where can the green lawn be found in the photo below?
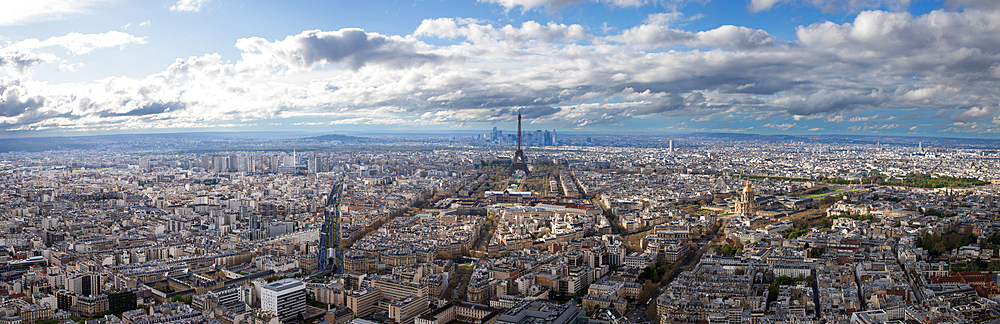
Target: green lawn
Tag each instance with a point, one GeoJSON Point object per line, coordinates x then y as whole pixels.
{"type": "Point", "coordinates": [826, 193]}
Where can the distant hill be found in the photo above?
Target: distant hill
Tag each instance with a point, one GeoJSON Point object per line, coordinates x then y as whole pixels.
{"type": "Point", "coordinates": [831, 139]}
{"type": "Point", "coordinates": [39, 144]}
{"type": "Point", "coordinates": [338, 137]}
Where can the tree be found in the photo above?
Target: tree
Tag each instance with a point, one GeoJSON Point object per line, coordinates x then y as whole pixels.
{"type": "Point", "coordinates": [651, 313]}
{"type": "Point", "coordinates": [648, 289]}
{"type": "Point", "coordinates": [772, 294]}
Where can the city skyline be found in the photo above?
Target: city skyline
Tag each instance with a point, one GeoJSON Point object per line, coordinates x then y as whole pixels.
{"type": "Point", "coordinates": [194, 228]}
{"type": "Point", "coordinates": [801, 67]}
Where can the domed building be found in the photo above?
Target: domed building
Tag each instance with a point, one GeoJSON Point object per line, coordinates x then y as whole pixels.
{"type": "Point", "coordinates": [746, 205]}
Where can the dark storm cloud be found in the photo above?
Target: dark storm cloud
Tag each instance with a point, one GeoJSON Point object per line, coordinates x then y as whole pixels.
{"type": "Point", "coordinates": [349, 46]}
{"type": "Point", "coordinates": [19, 62]}
{"type": "Point", "coordinates": [148, 109]}
{"type": "Point", "coordinates": [827, 101]}
{"type": "Point", "coordinates": [13, 103]}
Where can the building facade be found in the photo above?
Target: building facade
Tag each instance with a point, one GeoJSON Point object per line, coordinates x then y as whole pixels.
{"type": "Point", "coordinates": [286, 298]}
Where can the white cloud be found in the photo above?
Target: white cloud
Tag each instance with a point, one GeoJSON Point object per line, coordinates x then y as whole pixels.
{"type": "Point", "coordinates": [69, 67]}
{"type": "Point", "coordinates": [925, 94]}
{"type": "Point", "coordinates": [729, 36]}
{"type": "Point", "coordinates": [145, 24]}
{"type": "Point", "coordinates": [17, 12]}
{"type": "Point", "coordinates": [974, 4]}
{"type": "Point", "coordinates": [873, 127]}
{"type": "Point", "coordinates": [480, 73]}
{"type": "Point", "coordinates": [658, 32]}
{"type": "Point", "coordinates": [863, 118]}
{"type": "Point", "coordinates": [16, 58]}
{"type": "Point", "coordinates": [475, 32]}
{"type": "Point", "coordinates": [350, 46]}
{"type": "Point", "coordinates": [558, 4]}
{"type": "Point", "coordinates": [836, 5]}
{"type": "Point", "coordinates": [831, 101]}
{"type": "Point", "coordinates": [525, 4]}
{"type": "Point", "coordinates": [189, 5]}
{"type": "Point", "coordinates": [761, 5]}
{"type": "Point", "coordinates": [18, 63]}
{"type": "Point", "coordinates": [77, 43]}
{"type": "Point", "coordinates": [971, 114]}
{"type": "Point", "coordinates": [782, 127]}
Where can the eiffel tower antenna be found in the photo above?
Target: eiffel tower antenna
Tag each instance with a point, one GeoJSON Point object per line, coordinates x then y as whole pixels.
{"type": "Point", "coordinates": [518, 130]}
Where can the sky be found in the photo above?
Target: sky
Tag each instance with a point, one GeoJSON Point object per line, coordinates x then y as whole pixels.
{"type": "Point", "coordinates": [883, 67]}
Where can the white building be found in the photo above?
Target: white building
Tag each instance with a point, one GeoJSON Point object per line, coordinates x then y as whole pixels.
{"type": "Point", "coordinates": [638, 260]}
{"type": "Point", "coordinates": [286, 297]}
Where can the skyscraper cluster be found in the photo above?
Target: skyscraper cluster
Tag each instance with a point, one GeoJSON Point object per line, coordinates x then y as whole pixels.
{"type": "Point", "coordinates": [528, 138]}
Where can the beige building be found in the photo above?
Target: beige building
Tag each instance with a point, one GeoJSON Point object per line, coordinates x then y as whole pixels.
{"type": "Point", "coordinates": [396, 290]}
{"type": "Point", "coordinates": [590, 302]}
{"type": "Point", "coordinates": [35, 312]}
{"type": "Point", "coordinates": [363, 302]}
{"type": "Point", "coordinates": [404, 311]}
{"type": "Point", "coordinates": [91, 306]}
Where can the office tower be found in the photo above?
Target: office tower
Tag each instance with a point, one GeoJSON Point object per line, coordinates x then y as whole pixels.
{"type": "Point", "coordinates": [289, 161]}
{"type": "Point", "coordinates": [920, 146]}
{"type": "Point", "coordinates": [220, 163]}
{"type": "Point", "coordinates": [318, 164]}
{"type": "Point", "coordinates": [256, 227]}
{"type": "Point", "coordinates": [227, 296]}
{"type": "Point", "coordinates": [286, 298]}
{"type": "Point", "coordinates": [548, 138]}
{"type": "Point", "coordinates": [539, 138]}
{"type": "Point", "coordinates": [275, 163]}
{"type": "Point", "coordinates": [233, 163]}
{"type": "Point", "coordinates": [206, 162]}
{"type": "Point", "coordinates": [671, 146]}
{"type": "Point", "coordinates": [264, 163]}
{"type": "Point", "coordinates": [85, 284]}
{"type": "Point", "coordinates": [251, 164]}
{"type": "Point", "coordinates": [270, 163]}
{"type": "Point", "coordinates": [519, 162]}
{"type": "Point", "coordinates": [144, 163]}
{"type": "Point", "coordinates": [555, 139]}
{"type": "Point", "coordinates": [243, 164]}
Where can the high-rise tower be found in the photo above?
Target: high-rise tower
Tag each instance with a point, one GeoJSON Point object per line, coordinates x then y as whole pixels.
{"type": "Point", "coordinates": [285, 298]}
{"type": "Point", "coordinates": [519, 162]}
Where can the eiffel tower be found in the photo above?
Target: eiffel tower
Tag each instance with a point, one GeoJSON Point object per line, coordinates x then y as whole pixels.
{"type": "Point", "coordinates": [519, 162]}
